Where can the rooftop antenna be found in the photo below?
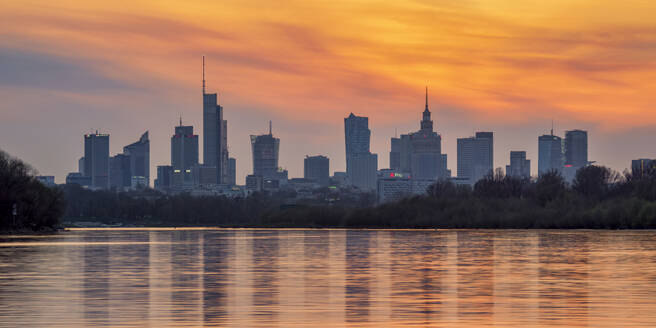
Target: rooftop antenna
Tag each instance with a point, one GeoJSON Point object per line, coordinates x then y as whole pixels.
{"type": "Point", "coordinates": [396, 135]}
{"type": "Point", "coordinates": [270, 128]}
{"type": "Point", "coordinates": [180, 119]}
{"type": "Point", "coordinates": [203, 74]}
{"type": "Point", "coordinates": [426, 97]}
{"type": "Point", "coordinates": [552, 127]}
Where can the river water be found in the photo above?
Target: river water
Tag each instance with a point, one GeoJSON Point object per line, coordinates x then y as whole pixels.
{"type": "Point", "coordinates": [328, 278]}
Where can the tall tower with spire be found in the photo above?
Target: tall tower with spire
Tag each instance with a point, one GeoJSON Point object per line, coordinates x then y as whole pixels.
{"type": "Point", "coordinates": [426, 122]}
{"type": "Point", "coordinates": [215, 136]}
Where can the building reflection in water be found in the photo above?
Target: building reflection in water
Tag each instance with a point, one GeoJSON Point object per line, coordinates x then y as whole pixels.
{"type": "Point", "coordinates": [215, 249]}
{"type": "Point", "coordinates": [265, 277]}
{"type": "Point", "coordinates": [417, 291]}
{"type": "Point", "coordinates": [358, 275]}
{"type": "Point", "coordinates": [316, 276]}
{"type": "Point", "coordinates": [475, 290]}
{"type": "Point", "coordinates": [96, 281]}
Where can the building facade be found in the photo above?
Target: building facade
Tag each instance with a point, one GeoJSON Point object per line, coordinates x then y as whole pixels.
{"type": "Point", "coordinates": [265, 149]}
{"type": "Point", "coordinates": [184, 155]}
{"type": "Point", "coordinates": [475, 156]}
{"type": "Point", "coordinates": [317, 168]}
{"type": "Point", "coordinates": [519, 167]}
{"type": "Point", "coordinates": [576, 148]}
{"type": "Point", "coordinates": [215, 137]}
{"type": "Point", "coordinates": [139, 154]}
{"type": "Point", "coordinates": [96, 159]}
{"type": "Point", "coordinates": [550, 154]}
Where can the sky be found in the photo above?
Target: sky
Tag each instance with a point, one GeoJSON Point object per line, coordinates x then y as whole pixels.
{"type": "Point", "coordinates": [508, 66]}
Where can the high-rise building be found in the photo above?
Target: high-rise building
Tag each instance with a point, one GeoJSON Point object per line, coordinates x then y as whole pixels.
{"type": "Point", "coordinates": [419, 154]}
{"type": "Point", "coordinates": [232, 171]}
{"type": "Point", "coordinates": [163, 180]}
{"type": "Point", "coordinates": [139, 153]}
{"type": "Point", "coordinates": [426, 150]}
{"type": "Point", "coordinates": [519, 167]}
{"type": "Point", "coordinates": [361, 164]}
{"type": "Point", "coordinates": [357, 136]}
{"type": "Point", "coordinates": [265, 154]}
{"type": "Point", "coordinates": [215, 134]}
{"type": "Point", "coordinates": [184, 154]}
{"type": "Point", "coordinates": [395, 154]}
{"type": "Point", "coordinates": [119, 171]}
{"type": "Point", "coordinates": [96, 159]}
{"type": "Point", "coordinates": [317, 168]}
{"type": "Point", "coordinates": [364, 169]}
{"type": "Point", "coordinates": [576, 148]}
{"type": "Point", "coordinates": [475, 156]}
{"type": "Point", "coordinates": [550, 153]}
{"type": "Point", "coordinates": [640, 167]}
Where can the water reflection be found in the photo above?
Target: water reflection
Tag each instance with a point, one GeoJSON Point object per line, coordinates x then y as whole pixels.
{"type": "Point", "coordinates": [331, 278]}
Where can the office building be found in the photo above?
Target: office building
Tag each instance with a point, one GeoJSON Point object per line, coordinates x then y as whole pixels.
{"type": "Point", "coordinates": [393, 187]}
{"type": "Point", "coordinates": [475, 156]}
{"type": "Point", "coordinates": [361, 164]}
{"type": "Point", "coordinates": [232, 171]}
{"type": "Point", "coordinates": [119, 172]}
{"type": "Point", "coordinates": [215, 135]}
{"type": "Point", "coordinates": [317, 168]}
{"type": "Point", "coordinates": [576, 148]}
{"type": "Point", "coordinates": [184, 154]}
{"type": "Point", "coordinates": [519, 167]}
{"type": "Point", "coordinates": [265, 150]}
{"type": "Point", "coordinates": [550, 154]}
{"type": "Point", "coordinates": [364, 168]}
{"type": "Point", "coordinates": [356, 136]}
{"type": "Point", "coordinates": [139, 154]}
{"type": "Point", "coordinates": [395, 154]}
{"type": "Point", "coordinates": [642, 167]}
{"type": "Point", "coordinates": [79, 179]}
{"type": "Point", "coordinates": [96, 159]}
{"type": "Point", "coordinates": [163, 180]}
{"type": "Point", "coordinates": [204, 175]}
{"type": "Point", "coordinates": [254, 183]}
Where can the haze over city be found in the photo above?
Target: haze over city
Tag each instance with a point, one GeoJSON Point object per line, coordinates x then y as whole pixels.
{"type": "Point", "coordinates": [505, 66]}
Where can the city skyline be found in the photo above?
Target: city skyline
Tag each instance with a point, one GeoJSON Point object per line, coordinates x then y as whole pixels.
{"type": "Point", "coordinates": [91, 72]}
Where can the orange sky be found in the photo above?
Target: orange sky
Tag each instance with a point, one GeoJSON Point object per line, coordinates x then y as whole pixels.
{"type": "Point", "coordinates": [489, 64]}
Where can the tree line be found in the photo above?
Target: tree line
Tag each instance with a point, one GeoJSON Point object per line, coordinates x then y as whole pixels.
{"type": "Point", "coordinates": [25, 202]}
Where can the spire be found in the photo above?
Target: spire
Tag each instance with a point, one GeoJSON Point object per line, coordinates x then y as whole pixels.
{"type": "Point", "coordinates": [270, 133]}
{"type": "Point", "coordinates": [180, 120]}
{"type": "Point", "coordinates": [426, 98]}
{"type": "Point", "coordinates": [203, 74]}
{"type": "Point", "coordinates": [552, 127]}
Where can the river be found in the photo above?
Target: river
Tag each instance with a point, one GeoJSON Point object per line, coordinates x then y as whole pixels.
{"type": "Point", "coordinates": [328, 278]}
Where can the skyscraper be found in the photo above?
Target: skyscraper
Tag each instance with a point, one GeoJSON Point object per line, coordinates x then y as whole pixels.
{"type": "Point", "coordinates": [96, 159]}
{"type": "Point", "coordinates": [184, 154]}
{"type": "Point", "coordinates": [475, 156]}
{"type": "Point", "coordinates": [139, 153]}
{"type": "Point", "coordinates": [361, 164]}
{"type": "Point", "coordinates": [119, 171]}
{"type": "Point", "coordinates": [426, 150]}
{"type": "Point", "coordinates": [265, 154]}
{"type": "Point", "coordinates": [215, 134]}
{"type": "Point", "coordinates": [576, 148]}
{"type": "Point", "coordinates": [419, 154]}
{"type": "Point", "coordinates": [317, 168]}
{"type": "Point", "coordinates": [519, 167]}
{"type": "Point", "coordinates": [356, 136]}
{"type": "Point", "coordinates": [550, 153]}
{"type": "Point", "coordinates": [395, 154]}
